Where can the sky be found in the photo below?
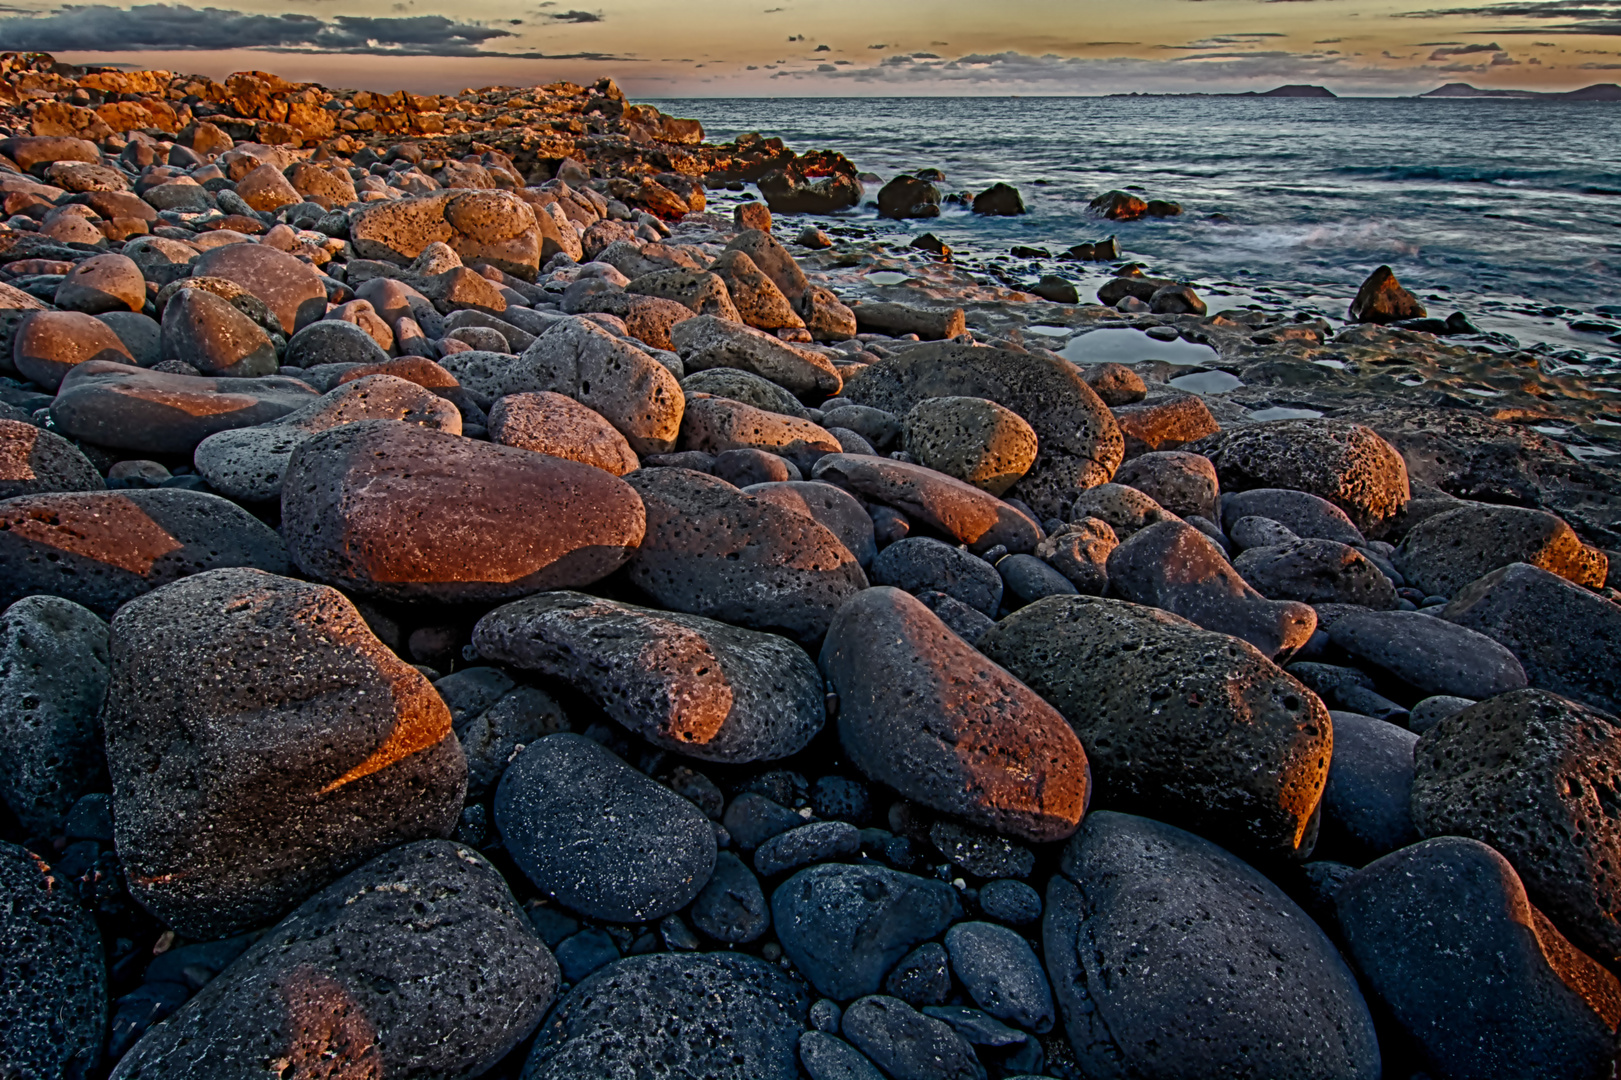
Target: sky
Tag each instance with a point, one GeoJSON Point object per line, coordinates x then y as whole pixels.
{"type": "Point", "coordinates": [790, 48]}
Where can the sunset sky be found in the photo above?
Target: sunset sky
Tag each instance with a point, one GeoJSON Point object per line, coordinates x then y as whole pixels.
{"type": "Point", "coordinates": [790, 48]}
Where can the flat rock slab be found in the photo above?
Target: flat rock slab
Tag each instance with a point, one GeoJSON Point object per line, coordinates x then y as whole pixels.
{"type": "Point", "coordinates": [598, 835]}
{"type": "Point", "coordinates": [1196, 727]}
{"type": "Point", "coordinates": [712, 550]}
{"type": "Point", "coordinates": [681, 1016]}
{"type": "Point", "coordinates": [418, 963]}
{"type": "Point", "coordinates": [263, 742]}
{"type": "Point", "coordinates": [959, 510]}
{"type": "Point", "coordinates": [397, 511]}
{"type": "Point", "coordinates": [924, 712]}
{"type": "Point", "coordinates": [1429, 653]}
{"type": "Point", "coordinates": [1170, 957]}
{"type": "Point", "coordinates": [103, 548]}
{"type": "Point", "coordinates": [685, 683]}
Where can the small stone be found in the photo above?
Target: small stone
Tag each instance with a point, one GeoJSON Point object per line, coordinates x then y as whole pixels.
{"type": "Point", "coordinates": [1381, 299]}
{"type": "Point", "coordinates": [731, 907]}
{"type": "Point", "coordinates": [1116, 384]}
{"type": "Point", "coordinates": [946, 504]}
{"type": "Point", "coordinates": [1432, 710]}
{"type": "Point", "coordinates": [819, 842]}
{"type": "Point", "coordinates": [1316, 572]}
{"type": "Point", "coordinates": [103, 283]}
{"type": "Point", "coordinates": [1303, 514]}
{"type": "Point", "coordinates": [752, 819]}
{"type": "Point", "coordinates": [332, 341]}
{"type": "Point", "coordinates": [920, 564]}
{"type": "Point", "coordinates": [1183, 484]}
{"type": "Point", "coordinates": [1010, 901]}
{"type": "Point", "coordinates": [923, 976]}
{"type": "Point", "coordinates": [828, 1058]}
{"type": "Point", "coordinates": [981, 854]}
{"type": "Point", "coordinates": [711, 342]}
{"type": "Point", "coordinates": [581, 954]}
{"type": "Point", "coordinates": [1370, 784]}
{"type": "Point", "coordinates": [908, 1045]}
{"type": "Point", "coordinates": [1001, 973]}
{"type": "Point", "coordinates": [1029, 579]}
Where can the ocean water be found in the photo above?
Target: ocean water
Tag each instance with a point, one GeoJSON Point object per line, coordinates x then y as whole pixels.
{"type": "Point", "coordinates": [1507, 210]}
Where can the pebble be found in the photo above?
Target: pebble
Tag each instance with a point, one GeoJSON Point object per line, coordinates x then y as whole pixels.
{"type": "Point", "coordinates": [600, 837]}
{"type": "Point", "coordinates": [908, 1045]}
{"type": "Point", "coordinates": [746, 387]}
{"type": "Point", "coordinates": [709, 342]}
{"type": "Point", "coordinates": [1001, 973]}
{"type": "Point", "coordinates": [752, 819]}
{"type": "Point", "coordinates": [1029, 579]}
{"type": "Point", "coordinates": [716, 425]}
{"type": "Point", "coordinates": [1183, 484]}
{"type": "Point", "coordinates": [332, 341]}
{"type": "Point", "coordinates": [489, 739]}
{"type": "Point", "coordinates": [1316, 572]}
{"type": "Point", "coordinates": [813, 843]}
{"type": "Point", "coordinates": [1434, 709]}
{"type": "Point", "coordinates": [732, 907]}
{"type": "Point", "coordinates": [980, 853]}
{"type": "Point", "coordinates": [1010, 901]}
{"type": "Point", "coordinates": [1302, 513]}
{"type": "Point", "coordinates": [923, 976]}
{"type": "Point", "coordinates": [834, 508]}
{"type": "Point", "coordinates": [580, 954]}
{"type": "Point", "coordinates": [826, 1057]}
{"type": "Point", "coordinates": [102, 283]}
{"type": "Point", "coordinates": [972, 439]}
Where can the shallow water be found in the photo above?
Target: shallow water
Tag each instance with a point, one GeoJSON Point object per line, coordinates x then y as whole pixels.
{"type": "Point", "coordinates": [1507, 210]}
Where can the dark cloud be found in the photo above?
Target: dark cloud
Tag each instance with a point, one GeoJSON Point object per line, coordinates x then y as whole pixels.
{"type": "Point", "coordinates": [576, 16]}
{"type": "Point", "coordinates": [1464, 50]}
{"type": "Point", "coordinates": [172, 27]}
{"type": "Point", "coordinates": [822, 48]}
{"type": "Point", "coordinates": [1581, 17]}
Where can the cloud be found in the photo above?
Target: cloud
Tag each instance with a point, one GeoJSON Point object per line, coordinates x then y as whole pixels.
{"type": "Point", "coordinates": [1465, 50]}
{"type": "Point", "coordinates": [822, 48]}
{"type": "Point", "coordinates": [175, 28]}
{"type": "Point", "coordinates": [576, 16]}
{"type": "Point", "coordinates": [1584, 17]}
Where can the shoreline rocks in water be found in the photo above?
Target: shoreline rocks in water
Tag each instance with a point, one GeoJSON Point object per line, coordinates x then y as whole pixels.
{"type": "Point", "coordinates": [483, 596]}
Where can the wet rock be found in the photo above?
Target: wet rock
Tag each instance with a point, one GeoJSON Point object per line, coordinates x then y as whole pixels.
{"type": "Point", "coordinates": [103, 548]}
{"type": "Point", "coordinates": [549, 423]}
{"type": "Point", "coordinates": [920, 564]}
{"type": "Point", "coordinates": [834, 508]}
{"type": "Point", "coordinates": [746, 387]}
{"type": "Point", "coordinates": [53, 677]}
{"type": "Point", "coordinates": [102, 283]}
{"type": "Point", "coordinates": [248, 464]}
{"type": "Point", "coordinates": [1165, 424]}
{"type": "Point", "coordinates": [908, 197]}
{"type": "Point", "coordinates": [419, 963]}
{"type": "Point", "coordinates": [1001, 973]}
{"type": "Point", "coordinates": [1370, 782]}
{"type": "Point", "coordinates": [56, 973]}
{"type": "Point", "coordinates": [1119, 206]}
{"type": "Point", "coordinates": [997, 756]}
{"type": "Point", "coordinates": [220, 829]}
{"type": "Point", "coordinates": [1317, 572]}
{"type": "Point", "coordinates": [1381, 299]}
{"type": "Point", "coordinates": [153, 412]}
{"type": "Point", "coordinates": [34, 461]}
{"type": "Point", "coordinates": [1567, 639]}
{"type": "Point", "coordinates": [1445, 937]}
{"type": "Point", "coordinates": [333, 341]}
{"type": "Point", "coordinates": [214, 337]}
{"type": "Point", "coordinates": [1436, 659]}
{"type": "Point", "coordinates": [292, 288]}
{"type": "Point", "coordinates": [1301, 513]}
{"type": "Point", "coordinates": [958, 510]}
{"type": "Point", "coordinates": [710, 342]}
{"type": "Point", "coordinates": [1184, 484]}
{"type": "Point", "coordinates": [716, 1016]}
{"type": "Point", "coordinates": [731, 907]}
{"type": "Point", "coordinates": [1000, 200]}
{"type": "Point", "coordinates": [716, 425]}
{"type": "Point", "coordinates": [364, 506]}
{"type": "Point", "coordinates": [599, 836]}
{"type": "Point", "coordinates": [972, 439]}
{"type": "Point", "coordinates": [1344, 463]}
{"type": "Point", "coordinates": [1241, 981]}
{"type": "Point", "coordinates": [908, 1045]}
{"type": "Point", "coordinates": [49, 344]}
{"type": "Point", "coordinates": [1529, 773]}
{"type": "Point", "coordinates": [1442, 554]}
{"type": "Point", "coordinates": [1079, 444]}
{"type": "Point", "coordinates": [1080, 551]}
{"type": "Point", "coordinates": [715, 551]}
{"type": "Point", "coordinates": [1176, 300]}
{"type": "Point", "coordinates": [1173, 566]}
{"type": "Point", "coordinates": [1197, 727]}
{"type": "Point", "coordinates": [698, 687]}
{"type": "Point", "coordinates": [631, 390]}
{"type": "Point", "coordinates": [845, 926]}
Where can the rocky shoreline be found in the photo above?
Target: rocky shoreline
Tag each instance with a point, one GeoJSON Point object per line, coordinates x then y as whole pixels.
{"type": "Point", "coordinates": [468, 608]}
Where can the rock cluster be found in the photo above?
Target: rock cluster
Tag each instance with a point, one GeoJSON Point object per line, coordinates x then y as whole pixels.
{"type": "Point", "coordinates": [466, 610]}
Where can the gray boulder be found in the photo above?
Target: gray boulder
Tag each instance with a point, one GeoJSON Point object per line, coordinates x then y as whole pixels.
{"type": "Point", "coordinates": [1431, 654]}
{"type": "Point", "coordinates": [34, 461]}
{"type": "Point", "coordinates": [908, 1045]}
{"type": "Point", "coordinates": [920, 564]}
{"type": "Point", "coordinates": [1444, 553]}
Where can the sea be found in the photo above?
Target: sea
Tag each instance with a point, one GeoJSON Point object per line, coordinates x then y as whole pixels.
{"type": "Point", "coordinates": [1506, 210]}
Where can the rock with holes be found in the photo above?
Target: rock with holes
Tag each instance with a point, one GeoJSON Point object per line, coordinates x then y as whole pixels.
{"type": "Point", "coordinates": [1345, 463]}
{"type": "Point", "coordinates": [834, 508]}
{"type": "Point", "coordinates": [599, 836]}
{"type": "Point", "coordinates": [1477, 977]}
{"type": "Point", "coordinates": [1443, 553]}
{"type": "Point", "coordinates": [944, 503]}
{"type": "Point", "coordinates": [685, 683]}
{"type": "Point", "coordinates": [34, 461]}
{"type": "Point", "coordinates": [716, 425]}
{"type": "Point", "coordinates": [746, 387]}
{"type": "Point", "coordinates": [102, 548]}
{"type": "Point", "coordinates": [1535, 776]}
{"type": "Point", "coordinates": [1183, 484]}
{"type": "Point", "coordinates": [1170, 957]}
{"type": "Point", "coordinates": [400, 512]}
{"type": "Point", "coordinates": [922, 711]}
{"type": "Point", "coordinates": [685, 1016]}
{"type": "Point", "coordinates": [549, 423]}
{"type": "Point", "coordinates": [291, 287]}
{"type": "Point", "coordinates": [713, 550]}
{"type": "Point", "coordinates": [53, 1015]}
{"type": "Point", "coordinates": [973, 439]}
{"type": "Point", "coordinates": [1195, 727]}
{"type": "Point", "coordinates": [1079, 444]}
{"type": "Point", "coordinates": [262, 742]}
{"type": "Point", "coordinates": [1317, 572]}
{"type": "Point", "coordinates": [632, 391]}
{"type": "Point", "coordinates": [418, 963]}
{"type": "Point", "coordinates": [53, 677]}
{"type": "Point", "coordinates": [921, 564]}
{"type": "Point", "coordinates": [710, 342]}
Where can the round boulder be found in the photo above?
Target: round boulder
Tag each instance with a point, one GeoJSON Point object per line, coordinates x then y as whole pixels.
{"type": "Point", "coordinates": [49, 344]}
{"type": "Point", "coordinates": [102, 283]}
{"type": "Point", "coordinates": [973, 439]}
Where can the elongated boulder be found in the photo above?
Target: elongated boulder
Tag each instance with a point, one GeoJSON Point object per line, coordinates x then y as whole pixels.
{"type": "Point", "coordinates": [924, 712]}
{"type": "Point", "coordinates": [1173, 566]}
{"type": "Point", "coordinates": [685, 1016]}
{"type": "Point", "coordinates": [102, 548]}
{"type": "Point", "coordinates": [633, 392]}
{"type": "Point", "coordinates": [716, 424]}
{"type": "Point", "coordinates": [974, 517]}
{"type": "Point", "coordinates": [1170, 957]}
{"type": "Point", "coordinates": [263, 742]}
{"type": "Point", "coordinates": [1196, 727]}
{"type": "Point", "coordinates": [418, 963]}
{"type": "Point", "coordinates": [248, 464]}
{"type": "Point", "coordinates": [1080, 446]}
{"type": "Point", "coordinates": [1531, 773]}
{"type": "Point", "coordinates": [154, 412]}
{"type": "Point", "coordinates": [709, 342]}
{"type": "Point", "coordinates": [689, 684]}
{"type": "Point", "coordinates": [1436, 659]}
{"type": "Point", "coordinates": [34, 461]}
{"type": "Point", "coordinates": [713, 550]}
{"type": "Point", "coordinates": [400, 512]}
{"type": "Point", "coordinates": [599, 836]}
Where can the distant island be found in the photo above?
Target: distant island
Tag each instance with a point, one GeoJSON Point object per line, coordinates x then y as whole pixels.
{"type": "Point", "coordinates": [1296, 91]}
{"type": "Point", "coordinates": [1596, 92]}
